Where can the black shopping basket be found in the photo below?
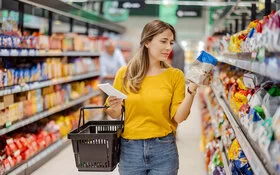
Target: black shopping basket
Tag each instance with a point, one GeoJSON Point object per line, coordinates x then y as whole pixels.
{"type": "Point", "coordinates": [96, 144]}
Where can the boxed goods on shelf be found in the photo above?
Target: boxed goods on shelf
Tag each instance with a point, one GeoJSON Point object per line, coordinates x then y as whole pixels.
{"type": "Point", "coordinates": [40, 71]}
{"type": "Point", "coordinates": [22, 144]}
{"type": "Point", "coordinates": [27, 104]}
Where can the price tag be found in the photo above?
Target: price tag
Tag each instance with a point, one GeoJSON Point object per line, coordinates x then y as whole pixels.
{"type": "Point", "coordinates": [261, 54]}
{"type": "Point", "coordinates": [254, 55]}
{"type": "Point", "coordinates": [8, 124]}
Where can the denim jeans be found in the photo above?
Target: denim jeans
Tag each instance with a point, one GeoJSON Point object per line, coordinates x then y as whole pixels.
{"type": "Point", "coordinates": [157, 156]}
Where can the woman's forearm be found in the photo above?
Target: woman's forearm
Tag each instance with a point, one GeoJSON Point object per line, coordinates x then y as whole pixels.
{"type": "Point", "coordinates": [184, 109]}
{"type": "Point", "coordinates": [114, 113]}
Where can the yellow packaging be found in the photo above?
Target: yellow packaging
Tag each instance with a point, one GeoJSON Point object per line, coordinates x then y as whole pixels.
{"type": "Point", "coordinates": [240, 83]}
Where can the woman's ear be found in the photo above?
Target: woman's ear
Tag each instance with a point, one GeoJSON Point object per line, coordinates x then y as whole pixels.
{"type": "Point", "coordinates": [147, 44]}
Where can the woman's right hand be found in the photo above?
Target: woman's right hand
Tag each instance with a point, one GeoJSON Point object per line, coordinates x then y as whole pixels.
{"type": "Point", "coordinates": [115, 103]}
{"type": "Point", "coordinates": [115, 107]}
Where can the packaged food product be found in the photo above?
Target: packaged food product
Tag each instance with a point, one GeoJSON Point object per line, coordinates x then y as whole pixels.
{"type": "Point", "coordinates": [201, 70]}
{"type": "Point", "coordinates": [271, 101]}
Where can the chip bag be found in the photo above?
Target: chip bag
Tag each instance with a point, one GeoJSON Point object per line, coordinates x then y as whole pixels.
{"type": "Point", "coordinates": [201, 70]}
{"type": "Point", "coordinates": [271, 101]}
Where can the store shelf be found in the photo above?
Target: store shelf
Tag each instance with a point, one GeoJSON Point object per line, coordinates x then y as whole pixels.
{"type": "Point", "coordinates": [16, 53]}
{"type": "Point", "coordinates": [221, 146]}
{"type": "Point", "coordinates": [70, 10]}
{"type": "Point", "coordinates": [224, 158]}
{"type": "Point", "coordinates": [209, 106]}
{"type": "Point", "coordinates": [257, 160]}
{"type": "Point", "coordinates": [47, 113]}
{"type": "Point", "coordinates": [30, 165]}
{"type": "Point", "coordinates": [37, 85]}
{"type": "Point", "coordinates": [74, 54]}
{"type": "Point", "coordinates": [256, 67]}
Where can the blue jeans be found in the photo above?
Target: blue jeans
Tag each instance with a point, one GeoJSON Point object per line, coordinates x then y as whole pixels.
{"type": "Point", "coordinates": [157, 156]}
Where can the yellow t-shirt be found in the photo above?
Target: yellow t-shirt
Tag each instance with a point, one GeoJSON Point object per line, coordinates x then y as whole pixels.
{"type": "Point", "coordinates": [150, 112]}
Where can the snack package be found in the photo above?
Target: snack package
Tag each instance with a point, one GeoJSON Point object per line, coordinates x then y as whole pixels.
{"type": "Point", "coordinates": [238, 161]}
{"type": "Point", "coordinates": [257, 98]}
{"type": "Point", "coordinates": [265, 135]}
{"type": "Point", "coordinates": [255, 122]}
{"type": "Point", "coordinates": [251, 80]}
{"type": "Point", "coordinates": [276, 124]}
{"type": "Point", "coordinates": [275, 155]}
{"type": "Point", "coordinates": [201, 70]}
{"type": "Point", "coordinates": [271, 101]}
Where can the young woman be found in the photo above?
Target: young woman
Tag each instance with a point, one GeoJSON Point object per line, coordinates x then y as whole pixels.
{"type": "Point", "coordinates": [156, 102]}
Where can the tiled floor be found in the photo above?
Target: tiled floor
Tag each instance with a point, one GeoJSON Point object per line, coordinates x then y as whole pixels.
{"type": "Point", "coordinates": [191, 159]}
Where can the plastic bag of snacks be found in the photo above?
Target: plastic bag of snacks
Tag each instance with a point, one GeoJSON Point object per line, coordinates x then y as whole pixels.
{"type": "Point", "coordinates": [238, 161]}
{"type": "Point", "coordinates": [201, 70]}
{"type": "Point", "coordinates": [271, 101]}
{"type": "Point", "coordinates": [276, 124]}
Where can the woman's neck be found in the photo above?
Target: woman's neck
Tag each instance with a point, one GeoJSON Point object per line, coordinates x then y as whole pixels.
{"type": "Point", "coordinates": [154, 68]}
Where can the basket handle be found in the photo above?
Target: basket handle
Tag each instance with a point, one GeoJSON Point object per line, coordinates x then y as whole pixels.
{"type": "Point", "coordinates": [82, 113]}
{"type": "Point", "coordinates": [96, 107]}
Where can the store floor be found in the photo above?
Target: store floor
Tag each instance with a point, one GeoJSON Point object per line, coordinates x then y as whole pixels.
{"type": "Point", "coordinates": [191, 159]}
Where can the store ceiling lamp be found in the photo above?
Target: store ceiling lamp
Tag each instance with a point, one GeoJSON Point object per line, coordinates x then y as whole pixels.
{"type": "Point", "coordinates": [184, 44]}
{"type": "Point", "coordinates": [202, 3]}
{"type": "Point", "coordinates": [69, 1]}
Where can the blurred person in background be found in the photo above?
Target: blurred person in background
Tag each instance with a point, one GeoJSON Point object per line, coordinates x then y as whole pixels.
{"type": "Point", "coordinates": [178, 56]}
{"type": "Point", "coordinates": [110, 62]}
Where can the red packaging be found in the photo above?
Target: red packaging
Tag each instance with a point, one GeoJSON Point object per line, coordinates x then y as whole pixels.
{"type": "Point", "coordinates": [10, 147]}
{"type": "Point", "coordinates": [17, 158]}
{"type": "Point", "coordinates": [11, 161]}
{"type": "Point", "coordinates": [24, 143]}
{"type": "Point", "coordinates": [34, 147]}
{"type": "Point", "coordinates": [53, 137]}
{"type": "Point", "coordinates": [6, 164]}
{"type": "Point", "coordinates": [41, 143]}
{"type": "Point", "coordinates": [26, 154]}
{"type": "Point", "coordinates": [48, 140]}
{"type": "Point", "coordinates": [18, 144]}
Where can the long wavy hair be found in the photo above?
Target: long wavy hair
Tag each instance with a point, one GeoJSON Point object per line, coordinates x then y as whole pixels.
{"type": "Point", "coordinates": [138, 66]}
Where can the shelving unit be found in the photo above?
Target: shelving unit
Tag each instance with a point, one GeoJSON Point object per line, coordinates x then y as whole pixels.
{"type": "Point", "coordinates": [224, 158]}
{"type": "Point", "coordinates": [50, 54]}
{"type": "Point", "coordinates": [258, 161]}
{"type": "Point", "coordinates": [37, 85]}
{"type": "Point", "coordinates": [252, 66]}
{"type": "Point", "coordinates": [37, 160]}
{"type": "Point", "coordinates": [221, 145]}
{"type": "Point", "coordinates": [48, 113]}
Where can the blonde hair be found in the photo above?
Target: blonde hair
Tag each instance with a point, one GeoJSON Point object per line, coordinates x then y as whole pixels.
{"type": "Point", "coordinates": [138, 66]}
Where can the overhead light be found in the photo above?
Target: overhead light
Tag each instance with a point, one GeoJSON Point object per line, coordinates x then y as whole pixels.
{"type": "Point", "coordinates": [70, 1]}
{"type": "Point", "coordinates": [184, 44]}
{"type": "Point", "coordinates": [168, 2]}
{"type": "Point", "coordinates": [201, 43]}
{"type": "Point", "coordinates": [204, 3]}
{"type": "Point", "coordinates": [200, 46]}
{"type": "Point", "coordinates": [57, 22]}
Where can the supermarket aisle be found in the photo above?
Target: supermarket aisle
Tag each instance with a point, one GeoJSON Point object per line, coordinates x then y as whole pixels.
{"type": "Point", "coordinates": [191, 159]}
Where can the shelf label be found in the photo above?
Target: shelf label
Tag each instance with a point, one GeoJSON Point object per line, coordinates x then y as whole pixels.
{"type": "Point", "coordinates": [8, 124]}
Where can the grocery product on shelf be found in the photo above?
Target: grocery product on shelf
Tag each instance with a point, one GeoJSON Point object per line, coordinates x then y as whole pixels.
{"type": "Point", "coordinates": [238, 161]}
{"type": "Point", "coordinates": [20, 145]}
{"type": "Point", "coordinates": [15, 73]}
{"type": "Point", "coordinates": [259, 34]}
{"type": "Point", "coordinates": [221, 140]}
{"type": "Point", "coordinates": [26, 104]}
{"type": "Point", "coordinates": [254, 100]}
{"type": "Point", "coordinates": [209, 142]}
